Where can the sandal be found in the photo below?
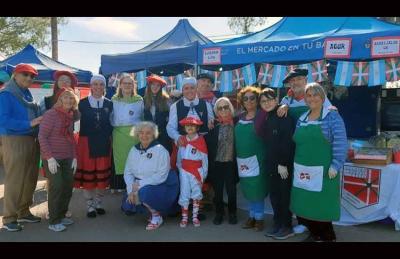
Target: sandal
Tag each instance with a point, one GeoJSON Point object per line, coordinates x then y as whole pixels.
{"type": "Point", "coordinates": [196, 222]}
{"type": "Point", "coordinates": [183, 223]}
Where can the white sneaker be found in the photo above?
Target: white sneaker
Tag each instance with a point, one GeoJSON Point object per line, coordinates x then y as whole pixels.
{"type": "Point", "coordinates": [67, 221]}
{"type": "Point", "coordinates": [299, 229]}
{"type": "Point", "coordinates": [57, 227]}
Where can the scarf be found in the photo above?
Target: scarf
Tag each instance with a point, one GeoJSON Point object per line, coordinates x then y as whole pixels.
{"type": "Point", "coordinates": [225, 121]}
{"type": "Point", "coordinates": [67, 119]}
{"type": "Point", "coordinates": [291, 94]}
{"type": "Point", "coordinates": [208, 97]}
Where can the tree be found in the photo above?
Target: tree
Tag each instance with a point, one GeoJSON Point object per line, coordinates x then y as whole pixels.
{"type": "Point", "coordinates": [17, 32]}
{"type": "Point", "coordinates": [245, 24]}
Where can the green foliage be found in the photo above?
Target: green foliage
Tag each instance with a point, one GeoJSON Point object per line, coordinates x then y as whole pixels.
{"type": "Point", "coordinates": [245, 24]}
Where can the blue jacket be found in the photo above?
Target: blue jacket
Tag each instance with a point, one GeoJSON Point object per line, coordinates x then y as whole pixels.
{"type": "Point", "coordinates": [14, 118]}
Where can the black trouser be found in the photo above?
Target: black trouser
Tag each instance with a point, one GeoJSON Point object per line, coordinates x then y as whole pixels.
{"type": "Point", "coordinates": [320, 230]}
{"type": "Point", "coordinates": [224, 174]}
{"type": "Point", "coordinates": [280, 200]}
{"type": "Point", "coordinates": [116, 181]}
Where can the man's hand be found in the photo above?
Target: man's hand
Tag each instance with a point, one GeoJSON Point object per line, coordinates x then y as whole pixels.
{"type": "Point", "coordinates": [282, 111]}
{"type": "Point", "coordinates": [36, 121]}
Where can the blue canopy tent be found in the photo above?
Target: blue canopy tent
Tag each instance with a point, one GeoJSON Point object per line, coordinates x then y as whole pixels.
{"type": "Point", "coordinates": [173, 53]}
{"type": "Point", "coordinates": [299, 39]}
{"type": "Point", "coordinates": [44, 64]}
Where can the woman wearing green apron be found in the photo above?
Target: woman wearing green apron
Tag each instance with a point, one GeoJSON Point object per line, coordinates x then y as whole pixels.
{"type": "Point", "coordinates": [250, 152]}
{"type": "Point", "coordinates": [321, 149]}
{"type": "Point", "coordinates": [128, 111]}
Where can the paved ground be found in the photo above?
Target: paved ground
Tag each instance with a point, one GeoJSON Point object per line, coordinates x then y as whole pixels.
{"type": "Point", "coordinates": [116, 226]}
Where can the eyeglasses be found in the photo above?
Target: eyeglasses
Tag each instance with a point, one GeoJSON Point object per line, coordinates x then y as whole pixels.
{"type": "Point", "coordinates": [267, 100]}
{"type": "Point", "coordinates": [221, 108]}
{"type": "Point", "coordinates": [249, 98]}
{"type": "Point", "coordinates": [32, 76]}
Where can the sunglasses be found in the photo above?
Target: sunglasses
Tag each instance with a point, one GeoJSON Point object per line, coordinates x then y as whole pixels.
{"type": "Point", "coordinates": [221, 108]}
{"type": "Point", "coordinates": [249, 98]}
{"type": "Point", "coordinates": [28, 75]}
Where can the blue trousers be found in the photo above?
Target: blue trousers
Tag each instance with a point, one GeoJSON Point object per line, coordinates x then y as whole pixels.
{"type": "Point", "coordinates": [256, 209]}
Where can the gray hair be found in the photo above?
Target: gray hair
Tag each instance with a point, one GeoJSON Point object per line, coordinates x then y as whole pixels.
{"type": "Point", "coordinates": [144, 124]}
{"type": "Point", "coordinates": [226, 100]}
{"type": "Point", "coordinates": [316, 89]}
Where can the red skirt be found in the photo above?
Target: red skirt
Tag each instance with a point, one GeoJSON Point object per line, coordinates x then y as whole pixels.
{"type": "Point", "coordinates": [92, 173]}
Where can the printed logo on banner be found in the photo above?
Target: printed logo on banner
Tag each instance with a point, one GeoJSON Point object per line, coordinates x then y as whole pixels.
{"type": "Point", "coordinates": [211, 56]}
{"type": "Point", "coordinates": [361, 186]}
{"type": "Point", "coordinates": [337, 48]}
{"type": "Point", "coordinates": [385, 47]}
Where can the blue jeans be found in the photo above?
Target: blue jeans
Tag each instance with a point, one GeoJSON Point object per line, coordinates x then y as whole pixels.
{"type": "Point", "coordinates": [256, 209]}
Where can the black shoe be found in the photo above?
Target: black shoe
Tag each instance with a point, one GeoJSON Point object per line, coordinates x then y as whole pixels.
{"type": "Point", "coordinates": [218, 219]}
{"type": "Point", "coordinates": [91, 214]}
{"type": "Point", "coordinates": [272, 232]}
{"type": "Point", "coordinates": [284, 233]}
{"type": "Point", "coordinates": [29, 219]}
{"type": "Point", "coordinates": [100, 211]}
{"type": "Point", "coordinates": [13, 226]}
{"type": "Point", "coordinates": [201, 216]}
{"type": "Point", "coordinates": [310, 238]}
{"type": "Point", "coordinates": [232, 219]}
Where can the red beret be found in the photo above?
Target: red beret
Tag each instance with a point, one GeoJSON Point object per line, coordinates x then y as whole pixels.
{"type": "Point", "coordinates": [74, 80]}
{"type": "Point", "coordinates": [156, 79]}
{"type": "Point", "coordinates": [190, 121]}
{"type": "Point", "coordinates": [21, 68]}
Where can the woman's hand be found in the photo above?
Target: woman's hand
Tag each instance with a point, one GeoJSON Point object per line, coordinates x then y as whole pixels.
{"type": "Point", "coordinates": [135, 187]}
{"type": "Point", "coordinates": [182, 141]}
{"type": "Point", "coordinates": [332, 173]}
{"type": "Point", "coordinates": [132, 198]}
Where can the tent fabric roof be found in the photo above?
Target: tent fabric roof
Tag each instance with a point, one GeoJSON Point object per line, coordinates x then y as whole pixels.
{"type": "Point", "coordinates": [178, 46]}
{"type": "Point", "coordinates": [299, 31]}
{"type": "Point", "coordinates": [44, 64]}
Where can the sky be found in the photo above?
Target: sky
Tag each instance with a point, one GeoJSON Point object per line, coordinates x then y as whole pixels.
{"type": "Point", "coordinates": [146, 29]}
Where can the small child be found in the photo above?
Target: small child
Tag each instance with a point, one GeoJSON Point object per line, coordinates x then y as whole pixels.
{"type": "Point", "coordinates": [192, 163]}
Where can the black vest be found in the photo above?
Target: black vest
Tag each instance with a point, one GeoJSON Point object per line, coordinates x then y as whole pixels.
{"type": "Point", "coordinates": [95, 124]}
{"type": "Point", "coordinates": [201, 110]}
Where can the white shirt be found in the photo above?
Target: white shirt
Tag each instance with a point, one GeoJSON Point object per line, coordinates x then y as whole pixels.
{"type": "Point", "coordinates": [147, 167]}
{"type": "Point", "coordinates": [96, 103]}
{"type": "Point", "coordinates": [172, 126]}
{"type": "Point", "coordinates": [188, 153]}
{"type": "Point", "coordinates": [127, 114]}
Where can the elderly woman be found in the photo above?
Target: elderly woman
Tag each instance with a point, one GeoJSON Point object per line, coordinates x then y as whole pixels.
{"type": "Point", "coordinates": [156, 108]}
{"type": "Point", "coordinates": [94, 146]}
{"type": "Point", "coordinates": [250, 153]}
{"type": "Point", "coordinates": [277, 133]}
{"type": "Point", "coordinates": [127, 112]}
{"type": "Point", "coordinates": [58, 149]}
{"type": "Point", "coordinates": [222, 160]}
{"type": "Point", "coordinates": [321, 148]}
{"type": "Point", "coordinates": [149, 180]}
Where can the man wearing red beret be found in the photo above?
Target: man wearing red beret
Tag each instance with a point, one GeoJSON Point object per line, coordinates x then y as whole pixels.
{"type": "Point", "coordinates": [19, 124]}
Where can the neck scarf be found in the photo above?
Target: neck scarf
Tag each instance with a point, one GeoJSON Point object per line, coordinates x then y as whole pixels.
{"type": "Point", "coordinates": [225, 121]}
{"type": "Point", "coordinates": [67, 119]}
{"type": "Point", "coordinates": [208, 97]}
{"type": "Point", "coordinates": [291, 94]}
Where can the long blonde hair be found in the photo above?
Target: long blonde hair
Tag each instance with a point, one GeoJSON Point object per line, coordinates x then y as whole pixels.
{"type": "Point", "coordinates": [119, 89]}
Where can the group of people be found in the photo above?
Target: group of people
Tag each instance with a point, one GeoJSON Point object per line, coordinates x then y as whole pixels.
{"type": "Point", "coordinates": [165, 154]}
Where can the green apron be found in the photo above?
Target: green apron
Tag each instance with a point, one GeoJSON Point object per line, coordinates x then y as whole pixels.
{"type": "Point", "coordinates": [122, 144]}
{"type": "Point", "coordinates": [314, 150]}
{"type": "Point", "coordinates": [296, 112]}
{"type": "Point", "coordinates": [250, 151]}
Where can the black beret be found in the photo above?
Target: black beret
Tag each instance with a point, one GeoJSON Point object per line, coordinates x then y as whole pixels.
{"type": "Point", "coordinates": [295, 72]}
{"type": "Point", "coordinates": [205, 75]}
